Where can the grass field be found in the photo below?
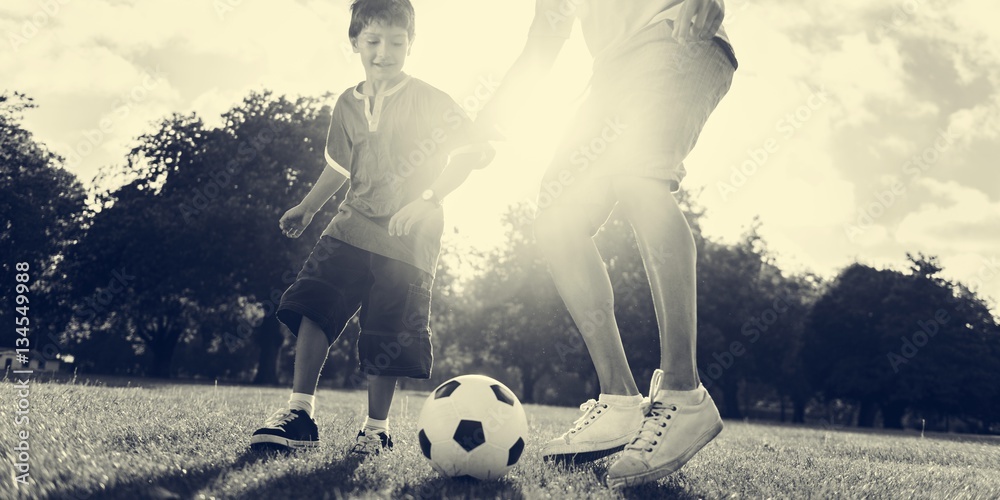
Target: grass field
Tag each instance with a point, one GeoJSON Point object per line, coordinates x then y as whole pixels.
{"type": "Point", "coordinates": [190, 441]}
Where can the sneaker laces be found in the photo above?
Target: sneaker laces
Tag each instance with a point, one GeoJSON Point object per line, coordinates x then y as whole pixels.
{"type": "Point", "coordinates": [653, 426]}
{"type": "Point", "coordinates": [368, 443]}
{"type": "Point", "coordinates": [279, 418]}
{"type": "Point", "coordinates": [591, 409]}
{"type": "Point", "coordinates": [656, 417]}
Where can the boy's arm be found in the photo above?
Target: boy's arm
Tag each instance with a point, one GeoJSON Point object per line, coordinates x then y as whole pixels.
{"type": "Point", "coordinates": [454, 174]}
{"type": "Point", "coordinates": [297, 218]}
{"type": "Point", "coordinates": [329, 182]}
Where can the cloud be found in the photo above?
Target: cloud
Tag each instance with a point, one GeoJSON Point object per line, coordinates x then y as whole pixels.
{"type": "Point", "coordinates": [956, 219]}
{"type": "Point", "coordinates": [981, 122]}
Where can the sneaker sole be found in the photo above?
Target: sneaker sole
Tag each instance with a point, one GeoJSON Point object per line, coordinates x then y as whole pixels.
{"type": "Point", "coordinates": [267, 439]}
{"type": "Point", "coordinates": [669, 467]}
{"type": "Point", "coordinates": [578, 457]}
{"type": "Point", "coordinates": [582, 457]}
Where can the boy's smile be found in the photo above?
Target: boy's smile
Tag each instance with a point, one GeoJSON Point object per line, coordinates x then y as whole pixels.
{"type": "Point", "coordinates": [383, 51]}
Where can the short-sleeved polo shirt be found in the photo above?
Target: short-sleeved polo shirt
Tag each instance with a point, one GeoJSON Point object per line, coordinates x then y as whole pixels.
{"type": "Point", "coordinates": [393, 146]}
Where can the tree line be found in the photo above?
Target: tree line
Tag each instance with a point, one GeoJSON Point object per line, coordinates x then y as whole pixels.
{"type": "Point", "coordinates": [175, 273]}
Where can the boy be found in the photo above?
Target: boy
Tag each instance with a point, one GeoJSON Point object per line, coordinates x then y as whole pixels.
{"type": "Point", "coordinates": [392, 136]}
{"type": "Point", "coordinates": [660, 68]}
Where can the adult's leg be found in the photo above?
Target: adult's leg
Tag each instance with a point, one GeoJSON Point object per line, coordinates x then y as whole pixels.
{"type": "Point", "coordinates": [563, 234]}
{"type": "Point", "coordinates": [669, 256]}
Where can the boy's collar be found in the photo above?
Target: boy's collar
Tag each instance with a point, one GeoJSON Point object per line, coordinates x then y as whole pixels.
{"type": "Point", "coordinates": [360, 95]}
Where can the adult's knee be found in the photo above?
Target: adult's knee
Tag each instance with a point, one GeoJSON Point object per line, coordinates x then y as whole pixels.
{"type": "Point", "coordinates": [558, 231]}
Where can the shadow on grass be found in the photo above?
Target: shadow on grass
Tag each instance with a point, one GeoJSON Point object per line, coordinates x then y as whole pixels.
{"type": "Point", "coordinates": [669, 488]}
{"type": "Point", "coordinates": [176, 485]}
{"type": "Point", "coordinates": [334, 480]}
{"type": "Point", "coordinates": [460, 487]}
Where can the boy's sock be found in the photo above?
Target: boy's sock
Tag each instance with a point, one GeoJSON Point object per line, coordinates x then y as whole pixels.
{"type": "Point", "coordinates": [304, 402]}
{"type": "Point", "coordinates": [374, 424]}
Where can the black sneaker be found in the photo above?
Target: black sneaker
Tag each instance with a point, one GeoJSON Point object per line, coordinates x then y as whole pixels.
{"type": "Point", "coordinates": [288, 428]}
{"type": "Point", "coordinates": [371, 444]}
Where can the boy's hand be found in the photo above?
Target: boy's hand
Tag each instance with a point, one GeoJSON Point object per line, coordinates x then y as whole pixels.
{"type": "Point", "coordinates": [699, 20]}
{"type": "Point", "coordinates": [408, 216]}
{"type": "Point", "coordinates": [296, 220]}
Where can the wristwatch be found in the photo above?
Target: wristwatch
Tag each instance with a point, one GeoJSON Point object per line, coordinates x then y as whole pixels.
{"type": "Point", "coordinates": [428, 195]}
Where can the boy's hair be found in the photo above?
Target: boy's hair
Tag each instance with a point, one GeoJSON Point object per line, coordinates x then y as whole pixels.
{"type": "Point", "coordinates": [389, 12]}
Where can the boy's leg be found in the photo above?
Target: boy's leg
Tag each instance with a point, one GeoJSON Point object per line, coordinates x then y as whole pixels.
{"type": "Point", "coordinates": [311, 350]}
{"type": "Point", "coordinates": [395, 341]}
{"type": "Point", "coordinates": [316, 308]}
{"type": "Point", "coordinates": [374, 436]}
{"type": "Point", "coordinates": [380, 392]}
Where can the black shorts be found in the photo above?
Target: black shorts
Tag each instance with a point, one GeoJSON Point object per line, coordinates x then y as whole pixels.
{"type": "Point", "coordinates": [338, 280]}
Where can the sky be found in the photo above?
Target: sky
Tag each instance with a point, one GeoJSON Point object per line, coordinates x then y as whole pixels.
{"type": "Point", "coordinates": [855, 130]}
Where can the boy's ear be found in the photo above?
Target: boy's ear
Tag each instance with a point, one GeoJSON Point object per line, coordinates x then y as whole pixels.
{"type": "Point", "coordinates": [354, 45]}
{"type": "Point", "coordinates": [409, 47]}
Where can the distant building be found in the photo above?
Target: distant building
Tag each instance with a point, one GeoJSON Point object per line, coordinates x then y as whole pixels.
{"type": "Point", "coordinates": [8, 361]}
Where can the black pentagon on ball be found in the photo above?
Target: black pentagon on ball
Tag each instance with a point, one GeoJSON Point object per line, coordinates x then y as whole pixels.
{"type": "Point", "coordinates": [503, 394]}
{"type": "Point", "coordinates": [425, 444]}
{"type": "Point", "coordinates": [515, 452]}
{"type": "Point", "coordinates": [469, 434]}
{"type": "Point", "coordinates": [446, 389]}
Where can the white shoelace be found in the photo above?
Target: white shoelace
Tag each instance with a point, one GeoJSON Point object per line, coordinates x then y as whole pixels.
{"type": "Point", "coordinates": [590, 411]}
{"type": "Point", "coordinates": [368, 443]}
{"type": "Point", "coordinates": [653, 426]}
{"type": "Point", "coordinates": [280, 418]}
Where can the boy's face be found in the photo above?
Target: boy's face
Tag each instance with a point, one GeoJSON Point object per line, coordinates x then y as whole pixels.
{"type": "Point", "coordinates": [383, 50]}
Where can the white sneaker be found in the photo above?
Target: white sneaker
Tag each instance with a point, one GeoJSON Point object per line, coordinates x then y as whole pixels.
{"type": "Point", "coordinates": [603, 429]}
{"type": "Point", "coordinates": [672, 432]}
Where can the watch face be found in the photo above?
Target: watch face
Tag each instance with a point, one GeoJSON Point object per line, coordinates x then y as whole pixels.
{"type": "Point", "coordinates": [427, 195]}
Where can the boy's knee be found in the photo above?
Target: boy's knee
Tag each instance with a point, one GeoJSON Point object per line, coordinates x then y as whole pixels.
{"type": "Point", "coordinates": [311, 331]}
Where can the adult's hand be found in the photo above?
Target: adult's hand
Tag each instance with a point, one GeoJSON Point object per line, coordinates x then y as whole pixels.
{"type": "Point", "coordinates": [699, 20]}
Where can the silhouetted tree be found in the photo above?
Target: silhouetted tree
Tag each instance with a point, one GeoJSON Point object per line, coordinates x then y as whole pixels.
{"type": "Point", "coordinates": [42, 212]}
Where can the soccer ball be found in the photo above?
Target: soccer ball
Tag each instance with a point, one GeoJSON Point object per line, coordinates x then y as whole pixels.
{"type": "Point", "coordinates": [472, 426]}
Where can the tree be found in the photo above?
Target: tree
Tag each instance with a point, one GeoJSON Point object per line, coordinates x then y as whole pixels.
{"type": "Point", "coordinates": [515, 317]}
{"type": "Point", "coordinates": [195, 224]}
{"type": "Point", "coordinates": [896, 342]}
{"type": "Point", "coordinates": [42, 207]}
